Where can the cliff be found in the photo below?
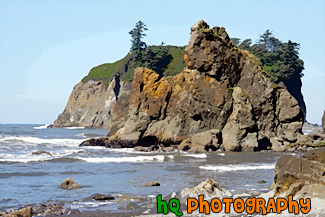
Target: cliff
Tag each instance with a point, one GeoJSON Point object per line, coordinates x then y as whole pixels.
{"type": "Point", "coordinates": [222, 99]}
{"type": "Point", "coordinates": [92, 99]}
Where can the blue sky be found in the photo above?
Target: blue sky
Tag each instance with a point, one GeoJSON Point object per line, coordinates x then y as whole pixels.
{"type": "Point", "coordinates": [46, 47]}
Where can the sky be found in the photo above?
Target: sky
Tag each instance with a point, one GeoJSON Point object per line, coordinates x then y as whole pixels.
{"type": "Point", "coordinates": [46, 47]}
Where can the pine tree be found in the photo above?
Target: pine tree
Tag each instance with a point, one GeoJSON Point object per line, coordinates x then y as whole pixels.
{"type": "Point", "coordinates": [136, 36]}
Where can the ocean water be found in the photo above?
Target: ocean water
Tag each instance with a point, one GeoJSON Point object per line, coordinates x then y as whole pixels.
{"type": "Point", "coordinates": [27, 178]}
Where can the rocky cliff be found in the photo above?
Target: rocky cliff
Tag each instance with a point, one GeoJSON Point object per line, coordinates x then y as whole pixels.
{"type": "Point", "coordinates": [222, 99]}
{"type": "Point", "coordinates": [90, 104]}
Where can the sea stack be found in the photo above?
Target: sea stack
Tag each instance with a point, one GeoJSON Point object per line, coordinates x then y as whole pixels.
{"type": "Point", "coordinates": [222, 90]}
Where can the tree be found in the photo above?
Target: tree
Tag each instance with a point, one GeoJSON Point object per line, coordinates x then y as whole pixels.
{"type": "Point", "coordinates": [136, 36]}
{"type": "Point", "coordinates": [235, 41]}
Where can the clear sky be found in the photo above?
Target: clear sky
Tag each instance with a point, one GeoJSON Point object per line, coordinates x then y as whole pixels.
{"type": "Point", "coordinates": [46, 47]}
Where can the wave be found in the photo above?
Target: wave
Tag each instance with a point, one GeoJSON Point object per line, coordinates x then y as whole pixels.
{"type": "Point", "coordinates": [74, 128]}
{"type": "Point", "coordinates": [137, 159]}
{"type": "Point", "coordinates": [42, 127]}
{"type": "Point", "coordinates": [37, 140]}
{"type": "Point", "coordinates": [203, 155]}
{"type": "Point", "coordinates": [80, 204]}
{"type": "Point", "coordinates": [237, 167]}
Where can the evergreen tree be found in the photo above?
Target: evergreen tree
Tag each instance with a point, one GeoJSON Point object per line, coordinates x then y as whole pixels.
{"type": "Point", "coordinates": [136, 36]}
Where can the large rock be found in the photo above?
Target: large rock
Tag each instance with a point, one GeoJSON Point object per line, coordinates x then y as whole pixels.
{"type": "Point", "coordinates": [222, 88]}
{"type": "Point", "coordinates": [90, 104]}
{"type": "Point", "coordinates": [209, 188]}
{"type": "Point", "coordinates": [293, 174]}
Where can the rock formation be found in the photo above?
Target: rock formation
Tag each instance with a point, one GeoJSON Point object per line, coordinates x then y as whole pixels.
{"type": "Point", "coordinates": [222, 90]}
{"type": "Point", "coordinates": [90, 104]}
{"type": "Point", "coordinates": [303, 176]}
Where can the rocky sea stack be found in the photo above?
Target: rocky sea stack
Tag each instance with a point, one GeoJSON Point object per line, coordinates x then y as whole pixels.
{"type": "Point", "coordinates": [221, 100]}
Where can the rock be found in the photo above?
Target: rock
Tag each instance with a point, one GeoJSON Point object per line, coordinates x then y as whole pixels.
{"type": "Point", "coordinates": [40, 152]}
{"type": "Point", "coordinates": [222, 88]}
{"type": "Point", "coordinates": [70, 184]}
{"type": "Point", "coordinates": [293, 173]}
{"type": "Point", "coordinates": [90, 104]}
{"type": "Point", "coordinates": [209, 188]}
{"type": "Point", "coordinates": [235, 134]}
{"type": "Point", "coordinates": [261, 181]}
{"type": "Point", "coordinates": [102, 141]}
{"type": "Point", "coordinates": [304, 139]}
{"type": "Point", "coordinates": [102, 197]}
{"type": "Point", "coordinates": [151, 184]}
{"type": "Point", "coordinates": [197, 149]}
{"type": "Point", "coordinates": [185, 145]}
{"type": "Point", "coordinates": [23, 212]}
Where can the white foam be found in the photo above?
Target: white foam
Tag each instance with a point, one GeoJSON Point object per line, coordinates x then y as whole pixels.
{"type": "Point", "coordinates": [74, 128]}
{"type": "Point", "coordinates": [37, 140]}
{"type": "Point", "coordinates": [82, 135]}
{"type": "Point", "coordinates": [77, 205]}
{"type": "Point", "coordinates": [42, 127]}
{"type": "Point", "coordinates": [203, 155]}
{"type": "Point", "coordinates": [221, 154]}
{"type": "Point", "coordinates": [236, 167]}
{"type": "Point", "coordinates": [137, 159]}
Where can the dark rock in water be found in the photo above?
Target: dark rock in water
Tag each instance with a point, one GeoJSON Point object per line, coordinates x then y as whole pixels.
{"type": "Point", "coordinates": [41, 152]}
{"type": "Point", "coordinates": [70, 184]}
{"type": "Point", "coordinates": [102, 141]}
{"type": "Point", "coordinates": [102, 197]}
{"type": "Point", "coordinates": [261, 181]}
{"type": "Point", "coordinates": [50, 126]}
{"type": "Point", "coordinates": [151, 184]}
{"type": "Point", "coordinates": [293, 174]}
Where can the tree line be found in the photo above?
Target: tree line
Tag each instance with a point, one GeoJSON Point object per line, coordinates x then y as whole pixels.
{"type": "Point", "coordinates": [280, 60]}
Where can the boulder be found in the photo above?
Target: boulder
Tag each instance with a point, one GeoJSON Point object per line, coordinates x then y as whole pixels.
{"type": "Point", "coordinates": [209, 188]}
{"type": "Point", "coordinates": [70, 184]}
{"type": "Point", "coordinates": [293, 173]}
{"type": "Point", "coordinates": [151, 184]}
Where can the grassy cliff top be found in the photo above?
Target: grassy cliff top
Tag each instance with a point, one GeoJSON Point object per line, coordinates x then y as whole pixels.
{"type": "Point", "coordinates": [165, 60]}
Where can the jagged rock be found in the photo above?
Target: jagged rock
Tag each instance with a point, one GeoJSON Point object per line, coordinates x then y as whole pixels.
{"type": "Point", "coordinates": [209, 188]}
{"type": "Point", "coordinates": [70, 184]}
{"type": "Point", "coordinates": [222, 88]}
{"type": "Point", "coordinates": [102, 197]}
{"type": "Point", "coordinates": [151, 184]}
{"type": "Point", "coordinates": [293, 173]}
{"type": "Point", "coordinates": [40, 152]}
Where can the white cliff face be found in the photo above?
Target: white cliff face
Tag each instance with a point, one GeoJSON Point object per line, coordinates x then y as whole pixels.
{"type": "Point", "coordinates": [90, 104]}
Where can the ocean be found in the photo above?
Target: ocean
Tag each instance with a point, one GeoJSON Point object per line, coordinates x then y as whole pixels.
{"type": "Point", "coordinates": [36, 179]}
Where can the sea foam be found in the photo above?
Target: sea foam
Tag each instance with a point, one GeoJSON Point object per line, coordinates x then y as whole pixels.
{"type": "Point", "coordinates": [237, 167]}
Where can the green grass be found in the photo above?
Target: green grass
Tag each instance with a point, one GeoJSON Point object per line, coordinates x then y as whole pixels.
{"type": "Point", "coordinates": [172, 64]}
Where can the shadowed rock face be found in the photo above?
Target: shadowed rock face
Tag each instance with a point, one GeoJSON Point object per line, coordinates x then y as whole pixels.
{"type": "Point", "coordinates": [223, 89]}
